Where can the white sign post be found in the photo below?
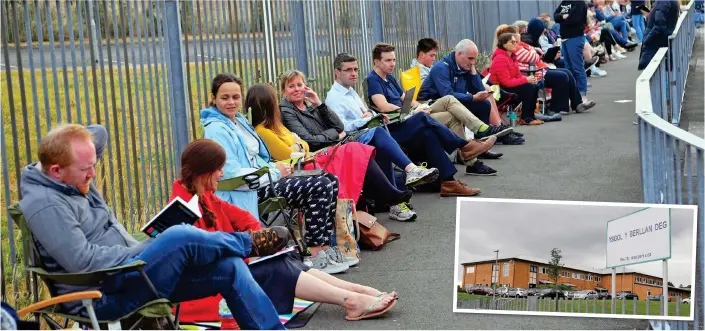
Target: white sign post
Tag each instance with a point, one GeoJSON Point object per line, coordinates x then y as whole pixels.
{"type": "Point", "coordinates": [640, 237]}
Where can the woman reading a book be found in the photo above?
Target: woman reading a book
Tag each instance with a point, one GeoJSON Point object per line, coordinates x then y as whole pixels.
{"type": "Point", "coordinates": [353, 162]}
{"type": "Point", "coordinates": [315, 196]}
{"type": "Point", "coordinates": [282, 277]}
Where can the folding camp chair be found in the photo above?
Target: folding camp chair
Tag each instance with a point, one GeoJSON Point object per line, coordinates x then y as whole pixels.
{"type": "Point", "coordinates": [159, 308]}
{"type": "Point", "coordinates": [272, 208]}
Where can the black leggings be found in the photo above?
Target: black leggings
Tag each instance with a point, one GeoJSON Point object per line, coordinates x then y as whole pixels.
{"type": "Point", "coordinates": [528, 94]}
{"type": "Point", "coordinates": [607, 40]}
{"type": "Point", "coordinates": [316, 197]}
{"type": "Point", "coordinates": [378, 187]}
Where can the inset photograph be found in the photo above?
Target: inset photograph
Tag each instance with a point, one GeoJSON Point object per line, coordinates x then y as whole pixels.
{"type": "Point", "coordinates": [564, 258]}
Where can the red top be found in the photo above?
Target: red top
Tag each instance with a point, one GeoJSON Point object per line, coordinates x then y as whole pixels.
{"type": "Point", "coordinates": [505, 70]}
{"type": "Point", "coordinates": [229, 218]}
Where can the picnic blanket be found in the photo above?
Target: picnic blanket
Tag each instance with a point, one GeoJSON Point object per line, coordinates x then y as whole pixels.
{"type": "Point", "coordinates": [300, 306]}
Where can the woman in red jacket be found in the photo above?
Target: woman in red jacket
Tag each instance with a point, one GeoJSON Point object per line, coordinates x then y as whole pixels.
{"type": "Point", "coordinates": [282, 278]}
{"type": "Point", "coordinates": [505, 71]}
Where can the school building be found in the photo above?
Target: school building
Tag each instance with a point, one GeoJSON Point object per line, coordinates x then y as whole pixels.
{"type": "Point", "coordinates": [525, 273]}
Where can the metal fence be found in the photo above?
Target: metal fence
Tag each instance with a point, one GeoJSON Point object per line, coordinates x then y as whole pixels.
{"type": "Point", "coordinates": [143, 70]}
{"type": "Point", "coordinates": [672, 160]}
{"type": "Point", "coordinates": [581, 306]}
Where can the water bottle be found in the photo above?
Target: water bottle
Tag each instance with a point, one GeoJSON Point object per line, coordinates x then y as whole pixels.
{"type": "Point", "coordinates": [227, 322]}
{"type": "Point", "coordinates": [532, 66]}
{"type": "Point", "coordinates": [512, 118]}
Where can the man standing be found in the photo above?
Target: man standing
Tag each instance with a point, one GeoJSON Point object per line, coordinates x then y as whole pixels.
{"type": "Point", "coordinates": [572, 17]}
{"type": "Point", "coordinates": [661, 24]}
{"type": "Point", "coordinates": [75, 232]}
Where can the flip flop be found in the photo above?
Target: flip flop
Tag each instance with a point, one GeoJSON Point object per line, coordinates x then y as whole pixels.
{"type": "Point", "coordinates": [381, 294]}
{"type": "Point", "coordinates": [368, 312]}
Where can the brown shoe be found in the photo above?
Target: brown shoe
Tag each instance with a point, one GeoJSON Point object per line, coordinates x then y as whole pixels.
{"type": "Point", "coordinates": [268, 241]}
{"type": "Point", "coordinates": [456, 188]}
{"type": "Point", "coordinates": [475, 148]}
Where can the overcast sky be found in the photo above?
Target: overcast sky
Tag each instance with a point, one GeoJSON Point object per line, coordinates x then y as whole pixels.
{"type": "Point", "coordinates": [531, 230]}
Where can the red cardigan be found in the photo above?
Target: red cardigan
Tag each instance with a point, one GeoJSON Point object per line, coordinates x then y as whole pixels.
{"type": "Point", "coordinates": [505, 71]}
{"type": "Point", "coordinates": [229, 218]}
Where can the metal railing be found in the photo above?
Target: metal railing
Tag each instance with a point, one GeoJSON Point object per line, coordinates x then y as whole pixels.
{"type": "Point", "coordinates": [672, 160]}
{"type": "Point", "coordinates": [680, 48]}
{"type": "Point", "coordinates": [646, 307]}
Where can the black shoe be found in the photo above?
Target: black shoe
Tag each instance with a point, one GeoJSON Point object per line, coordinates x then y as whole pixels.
{"type": "Point", "coordinates": [489, 155]}
{"type": "Point", "coordinates": [510, 139]}
{"type": "Point", "coordinates": [514, 132]}
{"type": "Point", "coordinates": [498, 131]}
{"type": "Point", "coordinates": [630, 46]}
{"type": "Point", "coordinates": [480, 169]}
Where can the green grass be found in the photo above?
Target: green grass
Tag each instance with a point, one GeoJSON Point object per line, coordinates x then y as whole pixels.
{"type": "Point", "coordinates": [565, 306]}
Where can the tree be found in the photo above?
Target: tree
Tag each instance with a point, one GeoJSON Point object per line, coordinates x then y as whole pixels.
{"type": "Point", "coordinates": [671, 284]}
{"type": "Point", "coordinates": [554, 269]}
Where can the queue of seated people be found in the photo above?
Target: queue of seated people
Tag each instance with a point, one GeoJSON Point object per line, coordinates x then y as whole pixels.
{"type": "Point", "coordinates": [375, 154]}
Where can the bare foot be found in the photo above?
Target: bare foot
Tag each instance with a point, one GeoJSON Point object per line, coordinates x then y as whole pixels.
{"type": "Point", "coordinates": [360, 304]}
{"type": "Point", "coordinates": [362, 289]}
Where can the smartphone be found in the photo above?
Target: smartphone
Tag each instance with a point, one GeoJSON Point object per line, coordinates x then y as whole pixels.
{"type": "Point", "coordinates": [490, 91]}
{"type": "Point", "coordinates": [308, 95]}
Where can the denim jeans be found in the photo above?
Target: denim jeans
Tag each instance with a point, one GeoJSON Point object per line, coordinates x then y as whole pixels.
{"type": "Point", "coordinates": [572, 50]}
{"type": "Point", "coordinates": [186, 263]}
{"type": "Point", "coordinates": [564, 92]}
{"type": "Point", "coordinates": [388, 154]}
{"type": "Point", "coordinates": [620, 24]}
{"type": "Point", "coordinates": [427, 139]}
{"type": "Point", "coordinates": [638, 23]}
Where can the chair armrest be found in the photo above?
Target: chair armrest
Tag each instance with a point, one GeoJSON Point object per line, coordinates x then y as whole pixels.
{"type": "Point", "coordinates": [87, 278]}
{"type": "Point", "coordinates": [60, 299]}
{"type": "Point", "coordinates": [237, 182]}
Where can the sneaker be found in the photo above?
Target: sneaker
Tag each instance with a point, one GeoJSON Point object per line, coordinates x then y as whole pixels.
{"type": "Point", "coordinates": [338, 257]}
{"type": "Point", "coordinates": [549, 118]}
{"type": "Point", "coordinates": [614, 57]}
{"type": "Point", "coordinates": [497, 131]}
{"type": "Point", "coordinates": [268, 241]}
{"type": "Point", "coordinates": [516, 133]}
{"type": "Point", "coordinates": [598, 72]}
{"type": "Point", "coordinates": [480, 169]}
{"type": "Point", "coordinates": [402, 213]}
{"type": "Point", "coordinates": [512, 139]}
{"type": "Point", "coordinates": [421, 175]}
{"type": "Point", "coordinates": [564, 113]}
{"type": "Point", "coordinates": [456, 188]}
{"type": "Point", "coordinates": [619, 55]}
{"type": "Point", "coordinates": [325, 263]}
{"type": "Point", "coordinates": [583, 107]}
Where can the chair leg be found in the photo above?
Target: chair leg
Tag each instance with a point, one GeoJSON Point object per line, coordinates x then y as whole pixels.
{"type": "Point", "coordinates": [52, 323]}
{"type": "Point", "coordinates": [88, 304]}
{"type": "Point", "coordinates": [176, 316]}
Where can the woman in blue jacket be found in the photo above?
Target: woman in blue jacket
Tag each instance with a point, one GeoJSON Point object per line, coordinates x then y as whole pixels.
{"type": "Point", "coordinates": [315, 196]}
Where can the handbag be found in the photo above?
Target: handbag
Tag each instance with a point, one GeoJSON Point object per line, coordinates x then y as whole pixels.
{"type": "Point", "coordinates": [345, 232]}
{"type": "Point", "coordinates": [373, 236]}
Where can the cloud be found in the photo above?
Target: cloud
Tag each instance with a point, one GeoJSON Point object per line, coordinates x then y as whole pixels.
{"type": "Point", "coordinates": [531, 230]}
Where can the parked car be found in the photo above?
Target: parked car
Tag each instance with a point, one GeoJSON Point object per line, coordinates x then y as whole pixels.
{"type": "Point", "coordinates": [531, 292]}
{"type": "Point", "coordinates": [501, 291]}
{"type": "Point", "coordinates": [550, 293]}
{"type": "Point", "coordinates": [686, 301]}
{"type": "Point", "coordinates": [656, 297]}
{"type": "Point", "coordinates": [585, 294]}
{"type": "Point", "coordinates": [481, 290]}
{"type": "Point", "coordinates": [626, 296]}
{"type": "Point", "coordinates": [569, 294]}
{"type": "Point", "coordinates": [516, 293]}
{"type": "Point", "coordinates": [603, 294]}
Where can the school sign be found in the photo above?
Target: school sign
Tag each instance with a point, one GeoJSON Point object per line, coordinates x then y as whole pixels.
{"type": "Point", "coordinates": [640, 237]}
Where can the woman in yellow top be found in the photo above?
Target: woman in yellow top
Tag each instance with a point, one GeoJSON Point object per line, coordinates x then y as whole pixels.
{"type": "Point", "coordinates": [353, 163]}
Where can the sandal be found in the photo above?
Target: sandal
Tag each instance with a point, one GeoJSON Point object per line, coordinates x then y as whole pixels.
{"type": "Point", "coordinates": [381, 294]}
{"type": "Point", "coordinates": [369, 312]}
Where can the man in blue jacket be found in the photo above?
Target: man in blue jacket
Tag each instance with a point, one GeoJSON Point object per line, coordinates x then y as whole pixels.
{"type": "Point", "coordinates": [661, 24]}
{"type": "Point", "coordinates": [455, 75]}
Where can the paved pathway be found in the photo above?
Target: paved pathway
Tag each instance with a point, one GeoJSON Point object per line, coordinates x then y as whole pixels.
{"type": "Point", "coordinates": [591, 157]}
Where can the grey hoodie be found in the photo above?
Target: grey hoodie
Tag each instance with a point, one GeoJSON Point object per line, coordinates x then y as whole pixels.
{"type": "Point", "coordinates": [73, 233]}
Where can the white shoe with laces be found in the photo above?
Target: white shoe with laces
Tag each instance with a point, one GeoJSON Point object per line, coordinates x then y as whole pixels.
{"type": "Point", "coordinates": [402, 213]}
{"type": "Point", "coordinates": [325, 263]}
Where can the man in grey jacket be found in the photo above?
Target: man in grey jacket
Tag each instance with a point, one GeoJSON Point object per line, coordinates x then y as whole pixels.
{"type": "Point", "coordinates": [75, 232]}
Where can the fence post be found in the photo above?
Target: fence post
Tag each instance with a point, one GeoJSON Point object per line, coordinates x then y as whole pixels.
{"type": "Point", "coordinates": [376, 18]}
{"type": "Point", "coordinates": [299, 36]}
{"type": "Point", "coordinates": [177, 78]}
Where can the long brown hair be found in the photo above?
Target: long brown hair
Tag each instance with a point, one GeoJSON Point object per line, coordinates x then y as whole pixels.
{"type": "Point", "coordinates": [202, 156]}
{"type": "Point", "coordinates": [262, 101]}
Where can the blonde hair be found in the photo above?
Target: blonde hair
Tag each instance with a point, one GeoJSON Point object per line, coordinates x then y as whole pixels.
{"type": "Point", "coordinates": [502, 29]}
{"type": "Point", "coordinates": [56, 147]}
{"type": "Point", "coordinates": [287, 76]}
{"type": "Point", "coordinates": [519, 25]}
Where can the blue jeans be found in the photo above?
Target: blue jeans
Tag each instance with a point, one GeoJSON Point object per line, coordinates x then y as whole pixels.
{"type": "Point", "coordinates": [186, 263]}
{"type": "Point", "coordinates": [564, 92]}
{"type": "Point", "coordinates": [427, 139]}
{"type": "Point", "coordinates": [638, 23]}
{"type": "Point", "coordinates": [617, 38]}
{"type": "Point", "coordinates": [572, 50]}
{"type": "Point", "coordinates": [620, 24]}
{"type": "Point", "coordinates": [388, 154]}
